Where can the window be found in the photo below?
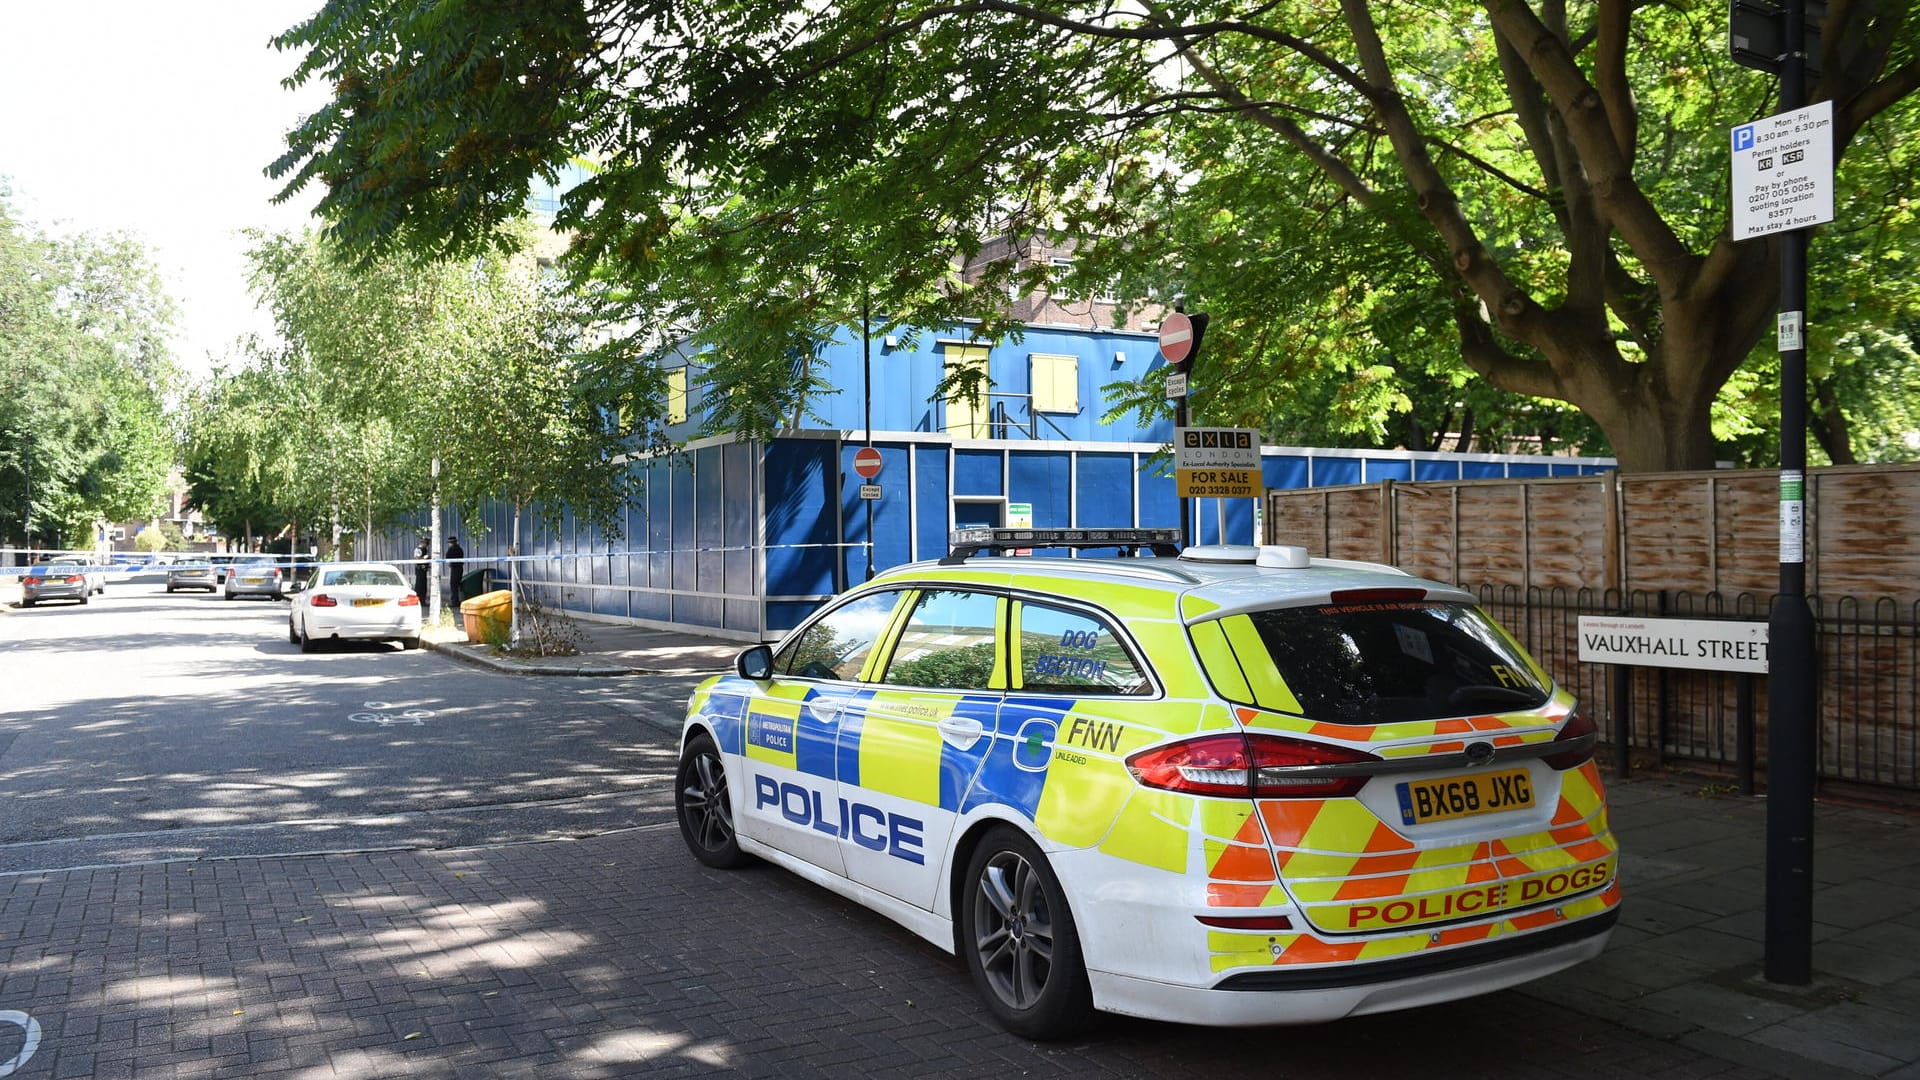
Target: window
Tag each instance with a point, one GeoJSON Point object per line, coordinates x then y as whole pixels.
{"type": "Point", "coordinates": [1378, 663]}
{"type": "Point", "coordinates": [967, 417]}
{"type": "Point", "coordinates": [1056, 383]}
{"type": "Point", "coordinates": [677, 396]}
{"type": "Point", "coordinates": [1058, 268]}
{"type": "Point", "coordinates": [1073, 652]}
{"type": "Point", "coordinates": [948, 643]}
{"type": "Point", "coordinates": [836, 646]}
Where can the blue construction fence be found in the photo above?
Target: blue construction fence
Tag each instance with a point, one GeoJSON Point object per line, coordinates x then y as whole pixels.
{"type": "Point", "coordinates": [746, 539]}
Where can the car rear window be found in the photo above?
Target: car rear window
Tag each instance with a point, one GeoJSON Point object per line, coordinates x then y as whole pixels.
{"type": "Point", "coordinates": [1370, 663]}
{"type": "Point", "coordinates": [363, 577]}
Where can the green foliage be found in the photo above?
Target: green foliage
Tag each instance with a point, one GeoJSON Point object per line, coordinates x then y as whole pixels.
{"type": "Point", "coordinates": [84, 376]}
{"type": "Point", "coordinates": [1399, 216]}
{"type": "Point", "coordinates": [391, 366]}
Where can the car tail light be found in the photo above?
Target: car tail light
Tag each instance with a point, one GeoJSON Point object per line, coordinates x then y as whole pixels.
{"type": "Point", "coordinates": [1578, 736]}
{"type": "Point", "coordinates": [1249, 766]}
{"type": "Point", "coordinates": [410, 600]}
{"type": "Point", "coordinates": [74, 579]}
{"type": "Point", "coordinates": [323, 600]}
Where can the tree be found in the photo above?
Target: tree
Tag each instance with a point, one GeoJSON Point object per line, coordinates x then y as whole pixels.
{"type": "Point", "coordinates": [1544, 183]}
{"type": "Point", "coordinates": [402, 384]}
{"type": "Point", "coordinates": [84, 374]}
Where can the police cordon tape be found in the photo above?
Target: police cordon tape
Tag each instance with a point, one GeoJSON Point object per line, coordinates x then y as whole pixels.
{"type": "Point", "coordinates": [283, 562]}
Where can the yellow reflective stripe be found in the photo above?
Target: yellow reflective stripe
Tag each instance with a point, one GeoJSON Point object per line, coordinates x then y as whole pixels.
{"type": "Point", "coordinates": [1193, 607]}
{"type": "Point", "coordinates": [870, 669]}
{"type": "Point", "coordinates": [1218, 661]}
{"type": "Point", "coordinates": [900, 756]}
{"type": "Point", "coordinates": [1081, 798]}
{"type": "Point", "coordinates": [1003, 621]}
{"type": "Point", "coordinates": [1232, 950]}
{"type": "Point", "coordinates": [1269, 689]}
{"type": "Point", "coordinates": [1016, 667]}
{"type": "Point", "coordinates": [1152, 830]}
{"type": "Point", "coordinates": [1166, 649]}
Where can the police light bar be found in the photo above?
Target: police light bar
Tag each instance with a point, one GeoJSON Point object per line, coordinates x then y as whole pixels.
{"type": "Point", "coordinates": [969, 542]}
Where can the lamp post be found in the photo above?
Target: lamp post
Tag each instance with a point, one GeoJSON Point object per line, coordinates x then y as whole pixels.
{"type": "Point", "coordinates": [26, 468]}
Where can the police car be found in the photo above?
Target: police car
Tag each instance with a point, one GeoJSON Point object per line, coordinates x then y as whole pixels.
{"type": "Point", "coordinates": [1232, 785]}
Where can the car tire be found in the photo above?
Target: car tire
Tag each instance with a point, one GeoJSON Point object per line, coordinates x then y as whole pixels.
{"type": "Point", "coordinates": [293, 634]}
{"type": "Point", "coordinates": [169, 590]}
{"type": "Point", "coordinates": [1019, 941]}
{"type": "Point", "coordinates": [83, 596]}
{"type": "Point", "coordinates": [28, 603]}
{"type": "Point", "coordinates": [409, 642]}
{"type": "Point", "coordinates": [307, 644]}
{"type": "Point", "coordinates": [704, 807]}
{"type": "Point", "coordinates": [229, 595]}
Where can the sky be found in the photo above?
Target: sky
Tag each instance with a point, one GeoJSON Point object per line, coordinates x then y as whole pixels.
{"type": "Point", "coordinates": [156, 118]}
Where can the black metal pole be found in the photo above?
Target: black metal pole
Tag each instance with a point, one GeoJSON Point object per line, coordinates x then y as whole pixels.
{"type": "Point", "coordinates": [26, 465]}
{"type": "Point", "coordinates": [866, 396]}
{"type": "Point", "coordinates": [1791, 746]}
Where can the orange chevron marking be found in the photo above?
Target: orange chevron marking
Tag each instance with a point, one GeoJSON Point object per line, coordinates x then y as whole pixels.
{"type": "Point", "coordinates": [1288, 820]}
{"type": "Point", "coordinates": [1223, 895]}
{"type": "Point", "coordinates": [1311, 950]}
{"type": "Point", "coordinates": [1240, 863]}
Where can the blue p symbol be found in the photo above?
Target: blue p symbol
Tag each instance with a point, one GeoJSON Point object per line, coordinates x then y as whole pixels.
{"type": "Point", "coordinates": [1743, 137]}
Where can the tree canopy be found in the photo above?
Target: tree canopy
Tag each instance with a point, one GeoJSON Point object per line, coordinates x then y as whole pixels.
{"type": "Point", "coordinates": [398, 381]}
{"type": "Point", "coordinates": [85, 373]}
{"type": "Point", "coordinates": [1375, 200]}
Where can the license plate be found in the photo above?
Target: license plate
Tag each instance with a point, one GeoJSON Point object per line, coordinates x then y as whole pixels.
{"type": "Point", "coordinates": [1452, 797]}
{"type": "Point", "coordinates": [368, 601]}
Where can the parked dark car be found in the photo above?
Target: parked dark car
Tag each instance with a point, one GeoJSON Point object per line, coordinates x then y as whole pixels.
{"type": "Point", "coordinates": [55, 581]}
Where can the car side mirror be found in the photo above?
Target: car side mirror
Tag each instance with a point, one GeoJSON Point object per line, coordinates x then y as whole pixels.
{"type": "Point", "coordinates": [296, 586]}
{"type": "Point", "coordinates": [755, 663]}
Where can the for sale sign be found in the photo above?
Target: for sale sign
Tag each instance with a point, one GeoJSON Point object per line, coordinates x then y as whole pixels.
{"type": "Point", "coordinates": [1217, 463]}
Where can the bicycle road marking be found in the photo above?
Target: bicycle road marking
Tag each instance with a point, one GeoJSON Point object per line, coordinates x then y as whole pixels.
{"type": "Point", "coordinates": [416, 717]}
{"type": "Point", "coordinates": [32, 1028]}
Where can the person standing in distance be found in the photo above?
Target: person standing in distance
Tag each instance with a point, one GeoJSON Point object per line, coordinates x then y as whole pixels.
{"type": "Point", "coordinates": [455, 553]}
{"type": "Point", "coordinates": [422, 568]}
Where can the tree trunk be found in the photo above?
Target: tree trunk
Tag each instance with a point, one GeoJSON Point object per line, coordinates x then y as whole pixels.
{"type": "Point", "coordinates": [1828, 423]}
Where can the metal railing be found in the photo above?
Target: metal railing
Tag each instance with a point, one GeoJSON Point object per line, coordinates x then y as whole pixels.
{"type": "Point", "coordinates": [1867, 680]}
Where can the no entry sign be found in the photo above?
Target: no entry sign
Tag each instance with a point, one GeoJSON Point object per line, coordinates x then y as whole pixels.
{"type": "Point", "coordinates": [866, 462]}
{"type": "Point", "coordinates": [1176, 337]}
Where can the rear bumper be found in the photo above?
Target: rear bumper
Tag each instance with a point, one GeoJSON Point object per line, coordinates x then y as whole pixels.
{"type": "Point", "coordinates": [1326, 993]}
{"type": "Point", "coordinates": [364, 629]}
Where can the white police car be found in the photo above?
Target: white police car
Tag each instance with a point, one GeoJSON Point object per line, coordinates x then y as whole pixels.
{"type": "Point", "coordinates": [1227, 786]}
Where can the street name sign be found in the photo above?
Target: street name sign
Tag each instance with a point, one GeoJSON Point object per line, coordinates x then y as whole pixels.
{"type": "Point", "coordinates": [1693, 644]}
{"type": "Point", "coordinates": [1783, 172]}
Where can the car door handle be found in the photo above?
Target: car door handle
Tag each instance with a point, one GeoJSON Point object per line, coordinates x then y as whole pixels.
{"type": "Point", "coordinates": [961, 731]}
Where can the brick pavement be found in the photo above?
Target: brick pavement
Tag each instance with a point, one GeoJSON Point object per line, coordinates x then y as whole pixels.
{"type": "Point", "coordinates": [619, 956]}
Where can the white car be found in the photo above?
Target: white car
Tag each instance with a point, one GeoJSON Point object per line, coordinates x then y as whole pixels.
{"type": "Point", "coordinates": [1229, 786]}
{"type": "Point", "coordinates": [360, 601]}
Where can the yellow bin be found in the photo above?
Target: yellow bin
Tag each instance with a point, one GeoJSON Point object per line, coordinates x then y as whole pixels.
{"type": "Point", "coordinates": [489, 616]}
